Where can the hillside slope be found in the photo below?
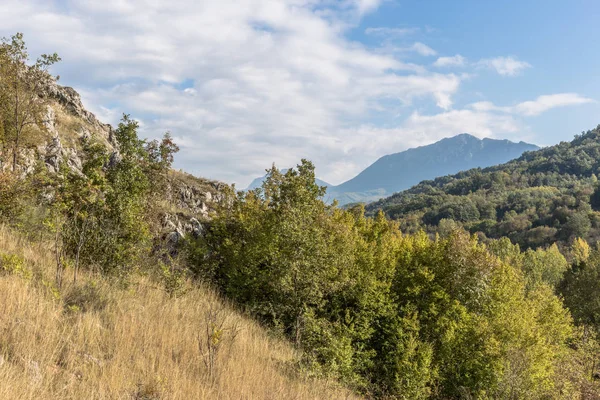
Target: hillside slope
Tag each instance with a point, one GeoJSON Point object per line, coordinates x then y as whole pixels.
{"type": "Point", "coordinates": [400, 171]}
{"type": "Point", "coordinates": [99, 340]}
{"type": "Point", "coordinates": [544, 196]}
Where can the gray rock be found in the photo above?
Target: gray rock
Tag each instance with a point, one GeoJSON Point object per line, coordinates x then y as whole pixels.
{"type": "Point", "coordinates": [49, 121]}
{"type": "Point", "coordinates": [114, 159]}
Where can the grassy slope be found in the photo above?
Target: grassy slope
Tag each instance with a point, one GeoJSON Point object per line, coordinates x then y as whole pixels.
{"type": "Point", "coordinates": [133, 342]}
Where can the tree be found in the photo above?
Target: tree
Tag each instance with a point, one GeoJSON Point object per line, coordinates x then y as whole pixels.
{"type": "Point", "coordinates": [577, 226]}
{"type": "Point", "coordinates": [581, 285]}
{"type": "Point", "coordinates": [397, 316]}
{"type": "Point", "coordinates": [102, 214]}
{"type": "Point", "coordinates": [23, 100]}
{"type": "Point", "coordinates": [544, 266]}
{"type": "Point", "coordinates": [82, 200]}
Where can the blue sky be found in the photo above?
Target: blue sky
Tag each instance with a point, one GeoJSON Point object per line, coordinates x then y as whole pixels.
{"type": "Point", "coordinates": [558, 38]}
{"type": "Point", "coordinates": [245, 83]}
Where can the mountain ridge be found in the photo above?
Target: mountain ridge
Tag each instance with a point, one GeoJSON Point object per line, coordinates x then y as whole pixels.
{"type": "Point", "coordinates": [399, 171]}
{"type": "Point", "coordinates": [444, 157]}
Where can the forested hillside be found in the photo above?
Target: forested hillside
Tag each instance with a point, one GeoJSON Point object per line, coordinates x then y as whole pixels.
{"type": "Point", "coordinates": [120, 281]}
{"type": "Point", "coordinates": [543, 197]}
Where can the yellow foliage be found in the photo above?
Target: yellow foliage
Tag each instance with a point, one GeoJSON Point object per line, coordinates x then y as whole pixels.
{"type": "Point", "coordinates": [580, 250]}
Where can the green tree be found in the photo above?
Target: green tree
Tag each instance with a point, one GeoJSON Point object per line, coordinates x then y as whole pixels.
{"type": "Point", "coordinates": [23, 97]}
{"type": "Point", "coordinates": [544, 266]}
{"type": "Point", "coordinates": [397, 316]}
{"type": "Point", "coordinates": [102, 214]}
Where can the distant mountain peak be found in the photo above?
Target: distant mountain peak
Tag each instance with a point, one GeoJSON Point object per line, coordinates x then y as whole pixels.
{"type": "Point", "coordinates": [399, 171]}
{"type": "Point", "coordinates": [462, 136]}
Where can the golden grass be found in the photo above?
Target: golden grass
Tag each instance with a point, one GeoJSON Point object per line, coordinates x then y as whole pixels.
{"type": "Point", "coordinates": [68, 126]}
{"type": "Point", "coordinates": [132, 343]}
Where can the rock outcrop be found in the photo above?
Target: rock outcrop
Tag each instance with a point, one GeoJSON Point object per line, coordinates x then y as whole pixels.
{"type": "Point", "coordinates": [71, 101]}
{"type": "Point", "coordinates": [67, 126]}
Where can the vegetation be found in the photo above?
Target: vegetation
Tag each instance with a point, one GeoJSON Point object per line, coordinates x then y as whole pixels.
{"type": "Point", "coordinates": [22, 101]}
{"type": "Point", "coordinates": [547, 196]}
{"type": "Point", "coordinates": [99, 340]}
{"type": "Point", "coordinates": [389, 313]}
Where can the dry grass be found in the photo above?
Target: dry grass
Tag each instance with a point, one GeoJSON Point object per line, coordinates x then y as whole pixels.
{"type": "Point", "coordinates": [191, 180]}
{"type": "Point", "coordinates": [68, 126]}
{"type": "Point", "coordinates": [97, 341]}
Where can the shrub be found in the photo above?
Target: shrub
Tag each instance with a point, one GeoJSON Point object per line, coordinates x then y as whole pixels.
{"type": "Point", "coordinates": [13, 264]}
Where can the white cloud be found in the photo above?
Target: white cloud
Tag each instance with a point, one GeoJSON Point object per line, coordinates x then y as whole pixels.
{"type": "Point", "coordinates": [239, 83]}
{"type": "Point", "coordinates": [534, 107]}
{"type": "Point", "coordinates": [548, 102]}
{"type": "Point", "coordinates": [391, 32]}
{"type": "Point", "coordinates": [454, 61]}
{"type": "Point", "coordinates": [423, 49]}
{"type": "Point", "coordinates": [365, 6]}
{"type": "Point", "coordinates": [505, 66]}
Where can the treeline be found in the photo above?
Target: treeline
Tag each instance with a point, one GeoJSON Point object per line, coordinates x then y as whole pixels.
{"type": "Point", "coordinates": [403, 316]}
{"type": "Point", "coordinates": [546, 196]}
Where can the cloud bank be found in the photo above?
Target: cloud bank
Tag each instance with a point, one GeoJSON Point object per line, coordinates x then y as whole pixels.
{"type": "Point", "coordinates": [242, 84]}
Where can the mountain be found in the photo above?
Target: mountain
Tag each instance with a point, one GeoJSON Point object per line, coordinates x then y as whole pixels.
{"type": "Point", "coordinates": [545, 196]}
{"type": "Point", "coordinates": [399, 171]}
{"type": "Point", "coordinates": [256, 183]}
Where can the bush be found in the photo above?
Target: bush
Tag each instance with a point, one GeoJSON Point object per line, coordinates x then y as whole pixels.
{"type": "Point", "coordinates": [13, 264]}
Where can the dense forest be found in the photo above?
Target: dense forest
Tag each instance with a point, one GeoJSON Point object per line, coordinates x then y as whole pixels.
{"type": "Point", "coordinates": [545, 196]}
{"type": "Point", "coordinates": [387, 312]}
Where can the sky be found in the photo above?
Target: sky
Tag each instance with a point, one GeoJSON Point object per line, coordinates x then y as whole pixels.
{"type": "Point", "coordinates": [243, 84]}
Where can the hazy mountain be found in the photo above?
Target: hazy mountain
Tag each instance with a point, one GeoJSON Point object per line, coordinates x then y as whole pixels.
{"type": "Point", "coordinates": [400, 171]}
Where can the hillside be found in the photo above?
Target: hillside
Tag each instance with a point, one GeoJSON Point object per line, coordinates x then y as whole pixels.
{"type": "Point", "coordinates": [98, 340]}
{"type": "Point", "coordinates": [122, 278]}
{"type": "Point", "coordinates": [68, 127]}
{"type": "Point", "coordinates": [543, 196]}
